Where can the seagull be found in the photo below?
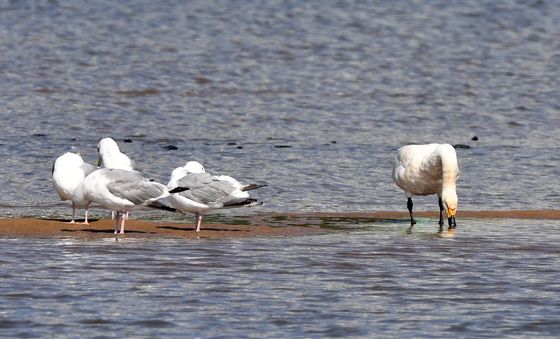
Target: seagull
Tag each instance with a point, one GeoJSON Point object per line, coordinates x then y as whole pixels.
{"type": "Point", "coordinates": [207, 192]}
{"type": "Point", "coordinates": [68, 171]}
{"type": "Point", "coordinates": [110, 156]}
{"type": "Point", "coordinates": [429, 169]}
{"type": "Point", "coordinates": [122, 191]}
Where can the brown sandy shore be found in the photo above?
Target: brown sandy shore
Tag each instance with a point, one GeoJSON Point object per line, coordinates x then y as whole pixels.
{"type": "Point", "coordinates": [263, 225]}
{"type": "Point", "coordinates": [30, 227]}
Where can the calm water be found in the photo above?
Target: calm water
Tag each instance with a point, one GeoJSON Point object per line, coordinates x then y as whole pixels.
{"type": "Point", "coordinates": [312, 99]}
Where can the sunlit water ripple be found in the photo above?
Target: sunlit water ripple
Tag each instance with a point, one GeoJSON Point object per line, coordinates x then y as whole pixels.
{"type": "Point", "coordinates": [379, 280]}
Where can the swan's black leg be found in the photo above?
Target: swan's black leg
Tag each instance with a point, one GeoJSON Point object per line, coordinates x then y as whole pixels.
{"type": "Point", "coordinates": [409, 206]}
{"type": "Point", "coordinates": [452, 223]}
{"type": "Point", "coordinates": [440, 212]}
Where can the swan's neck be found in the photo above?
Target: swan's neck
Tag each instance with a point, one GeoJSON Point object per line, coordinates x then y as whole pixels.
{"type": "Point", "coordinates": [449, 168]}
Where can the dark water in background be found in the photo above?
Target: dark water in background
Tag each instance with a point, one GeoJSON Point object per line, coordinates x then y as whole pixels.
{"type": "Point", "coordinates": [209, 78]}
{"type": "Point", "coordinates": [311, 98]}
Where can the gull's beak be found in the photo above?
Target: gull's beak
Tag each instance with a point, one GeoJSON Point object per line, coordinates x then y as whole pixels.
{"type": "Point", "coordinates": [451, 217]}
{"type": "Point", "coordinates": [99, 162]}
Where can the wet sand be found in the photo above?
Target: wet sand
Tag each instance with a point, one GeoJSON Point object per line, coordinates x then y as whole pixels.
{"type": "Point", "coordinates": [30, 227]}
{"type": "Point", "coordinates": [510, 214]}
{"type": "Point", "coordinates": [263, 225]}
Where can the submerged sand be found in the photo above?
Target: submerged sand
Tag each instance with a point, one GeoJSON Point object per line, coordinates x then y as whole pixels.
{"type": "Point", "coordinates": [263, 225]}
{"type": "Point", "coordinates": [509, 214]}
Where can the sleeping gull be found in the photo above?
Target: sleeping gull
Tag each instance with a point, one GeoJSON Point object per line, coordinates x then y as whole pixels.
{"type": "Point", "coordinates": [121, 191]}
{"type": "Point", "coordinates": [68, 171]}
{"type": "Point", "coordinates": [429, 169]}
{"type": "Point", "coordinates": [110, 156]}
{"type": "Point", "coordinates": [207, 192]}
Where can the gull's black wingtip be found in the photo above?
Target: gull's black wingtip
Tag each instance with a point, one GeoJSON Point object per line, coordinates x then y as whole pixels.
{"type": "Point", "coordinates": [178, 189]}
{"type": "Point", "coordinates": [158, 205]}
{"type": "Point", "coordinates": [247, 202]}
{"type": "Point", "coordinates": [252, 187]}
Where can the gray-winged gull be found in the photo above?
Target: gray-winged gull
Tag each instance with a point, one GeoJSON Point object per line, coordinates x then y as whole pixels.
{"type": "Point", "coordinates": [206, 192]}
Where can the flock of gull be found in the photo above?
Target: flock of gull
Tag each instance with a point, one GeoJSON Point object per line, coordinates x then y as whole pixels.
{"type": "Point", "coordinates": [117, 184]}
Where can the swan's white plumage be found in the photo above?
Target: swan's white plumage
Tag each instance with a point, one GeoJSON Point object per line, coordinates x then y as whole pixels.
{"type": "Point", "coordinates": [428, 169]}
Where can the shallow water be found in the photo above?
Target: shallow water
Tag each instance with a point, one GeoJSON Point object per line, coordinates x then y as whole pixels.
{"type": "Point", "coordinates": [312, 99]}
{"type": "Point", "coordinates": [495, 280]}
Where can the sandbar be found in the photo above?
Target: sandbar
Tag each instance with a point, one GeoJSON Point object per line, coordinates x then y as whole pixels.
{"type": "Point", "coordinates": [274, 224]}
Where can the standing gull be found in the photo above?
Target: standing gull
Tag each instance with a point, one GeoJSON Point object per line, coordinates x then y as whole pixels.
{"type": "Point", "coordinates": [207, 192]}
{"type": "Point", "coordinates": [121, 191]}
{"type": "Point", "coordinates": [110, 156]}
{"type": "Point", "coordinates": [429, 169]}
{"type": "Point", "coordinates": [68, 171]}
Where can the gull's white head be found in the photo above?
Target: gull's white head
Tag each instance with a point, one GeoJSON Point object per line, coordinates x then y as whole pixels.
{"type": "Point", "coordinates": [194, 167]}
{"type": "Point", "coordinates": [179, 172]}
{"type": "Point", "coordinates": [110, 155]}
{"type": "Point", "coordinates": [70, 159]}
{"type": "Point", "coordinates": [67, 161]}
{"type": "Point", "coordinates": [107, 145]}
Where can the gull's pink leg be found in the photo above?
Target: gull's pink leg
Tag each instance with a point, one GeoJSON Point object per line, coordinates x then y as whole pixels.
{"type": "Point", "coordinates": [198, 218]}
{"type": "Point", "coordinates": [86, 220]}
{"type": "Point", "coordinates": [123, 218]}
{"type": "Point", "coordinates": [73, 221]}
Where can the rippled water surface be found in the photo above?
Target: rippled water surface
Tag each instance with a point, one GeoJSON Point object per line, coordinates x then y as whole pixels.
{"type": "Point", "coordinates": [378, 280]}
{"type": "Point", "coordinates": [311, 98]}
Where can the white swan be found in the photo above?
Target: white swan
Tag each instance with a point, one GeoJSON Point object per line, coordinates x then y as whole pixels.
{"type": "Point", "coordinates": [429, 169]}
{"type": "Point", "coordinates": [68, 171]}
{"type": "Point", "coordinates": [121, 191]}
{"type": "Point", "coordinates": [206, 192]}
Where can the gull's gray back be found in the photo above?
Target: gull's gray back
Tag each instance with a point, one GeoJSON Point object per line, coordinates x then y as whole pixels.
{"type": "Point", "coordinates": [133, 186]}
{"type": "Point", "coordinates": [88, 168]}
{"type": "Point", "coordinates": [205, 188]}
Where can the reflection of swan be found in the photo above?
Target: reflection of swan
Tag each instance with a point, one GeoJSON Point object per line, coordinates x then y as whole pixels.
{"type": "Point", "coordinates": [449, 234]}
{"type": "Point", "coordinates": [429, 169]}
